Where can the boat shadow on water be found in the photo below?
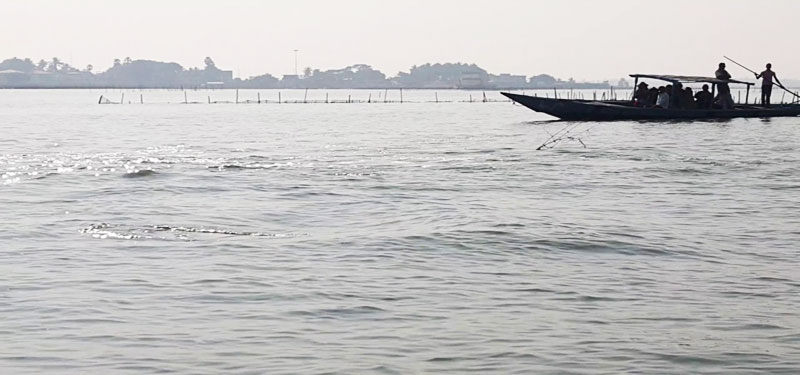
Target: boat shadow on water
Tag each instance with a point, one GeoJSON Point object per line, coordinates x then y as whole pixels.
{"type": "Point", "coordinates": [652, 121]}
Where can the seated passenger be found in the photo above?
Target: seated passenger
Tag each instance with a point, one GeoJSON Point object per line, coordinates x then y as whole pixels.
{"type": "Point", "coordinates": [652, 96]}
{"type": "Point", "coordinates": [687, 99]}
{"type": "Point", "coordinates": [675, 95]}
{"type": "Point", "coordinates": [663, 98]}
{"type": "Point", "coordinates": [640, 97]}
{"type": "Point", "coordinates": [704, 99]}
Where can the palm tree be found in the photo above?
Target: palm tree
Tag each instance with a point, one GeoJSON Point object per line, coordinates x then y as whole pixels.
{"type": "Point", "coordinates": [209, 63]}
{"type": "Point", "coordinates": [54, 64]}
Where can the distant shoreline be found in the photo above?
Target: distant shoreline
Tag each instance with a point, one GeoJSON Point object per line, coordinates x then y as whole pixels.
{"type": "Point", "coordinates": [147, 74]}
{"type": "Point", "coordinates": [319, 88]}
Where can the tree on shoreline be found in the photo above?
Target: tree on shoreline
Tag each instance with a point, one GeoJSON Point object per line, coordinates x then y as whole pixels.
{"type": "Point", "coordinates": [209, 63]}
{"type": "Point", "coordinates": [25, 66]}
{"type": "Point", "coordinates": [156, 74]}
{"type": "Point", "coordinates": [55, 63]}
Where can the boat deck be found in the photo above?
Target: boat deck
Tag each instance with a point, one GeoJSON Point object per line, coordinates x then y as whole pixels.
{"type": "Point", "coordinates": [584, 110]}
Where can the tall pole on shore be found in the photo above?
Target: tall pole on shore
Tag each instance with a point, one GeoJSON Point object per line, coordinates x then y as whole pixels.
{"type": "Point", "coordinates": [295, 63]}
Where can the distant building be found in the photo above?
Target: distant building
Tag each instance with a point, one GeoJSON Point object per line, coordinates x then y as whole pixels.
{"type": "Point", "coordinates": [438, 84]}
{"type": "Point", "coordinates": [224, 76]}
{"type": "Point", "coordinates": [13, 78]}
{"type": "Point", "coordinates": [508, 81]}
{"type": "Point", "coordinates": [215, 85]}
{"type": "Point", "coordinates": [291, 81]}
{"type": "Point", "coordinates": [543, 80]}
{"type": "Point", "coordinates": [471, 80]}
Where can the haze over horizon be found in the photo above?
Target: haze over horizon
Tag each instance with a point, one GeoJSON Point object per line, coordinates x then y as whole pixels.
{"type": "Point", "coordinates": [582, 39]}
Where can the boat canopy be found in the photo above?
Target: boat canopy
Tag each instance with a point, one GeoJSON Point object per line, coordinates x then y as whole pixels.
{"type": "Point", "coordinates": [688, 79]}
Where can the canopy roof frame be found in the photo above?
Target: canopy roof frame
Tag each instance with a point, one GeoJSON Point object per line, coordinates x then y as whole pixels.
{"type": "Point", "coordinates": [689, 79]}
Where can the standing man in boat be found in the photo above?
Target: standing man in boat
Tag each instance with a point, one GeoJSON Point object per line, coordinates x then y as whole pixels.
{"type": "Point", "coordinates": [725, 99]}
{"type": "Point", "coordinates": [766, 84]}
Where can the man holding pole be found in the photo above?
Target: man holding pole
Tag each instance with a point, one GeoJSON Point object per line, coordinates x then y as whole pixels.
{"type": "Point", "coordinates": [766, 84]}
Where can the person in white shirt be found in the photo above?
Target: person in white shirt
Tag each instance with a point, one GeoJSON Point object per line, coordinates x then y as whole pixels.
{"type": "Point", "coordinates": [663, 98]}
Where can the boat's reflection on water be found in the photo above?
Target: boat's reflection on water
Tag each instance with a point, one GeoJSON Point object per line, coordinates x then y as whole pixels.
{"type": "Point", "coordinates": [555, 132]}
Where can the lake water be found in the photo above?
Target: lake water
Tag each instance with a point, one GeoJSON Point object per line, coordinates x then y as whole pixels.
{"type": "Point", "coordinates": [390, 239]}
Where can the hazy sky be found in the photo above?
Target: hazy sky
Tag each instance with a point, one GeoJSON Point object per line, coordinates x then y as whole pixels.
{"type": "Point", "coordinates": [584, 39]}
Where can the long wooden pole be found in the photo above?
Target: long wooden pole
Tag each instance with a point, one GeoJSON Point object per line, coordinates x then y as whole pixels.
{"type": "Point", "coordinates": [743, 67]}
{"type": "Point", "coordinates": [747, 69]}
{"type": "Point", "coordinates": [787, 90]}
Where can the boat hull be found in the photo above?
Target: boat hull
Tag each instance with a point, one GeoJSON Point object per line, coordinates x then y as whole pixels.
{"type": "Point", "coordinates": [579, 110]}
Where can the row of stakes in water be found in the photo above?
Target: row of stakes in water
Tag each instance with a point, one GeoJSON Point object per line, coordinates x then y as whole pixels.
{"type": "Point", "coordinates": [610, 95]}
{"type": "Point", "coordinates": [258, 100]}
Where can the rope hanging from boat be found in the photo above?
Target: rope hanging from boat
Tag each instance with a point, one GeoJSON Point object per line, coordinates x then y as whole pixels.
{"type": "Point", "coordinates": [565, 134]}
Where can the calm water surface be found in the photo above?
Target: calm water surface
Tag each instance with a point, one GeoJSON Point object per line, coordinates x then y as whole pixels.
{"type": "Point", "coordinates": [390, 239]}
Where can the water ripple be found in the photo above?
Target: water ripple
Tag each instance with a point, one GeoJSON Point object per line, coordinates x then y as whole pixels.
{"type": "Point", "coordinates": [391, 239]}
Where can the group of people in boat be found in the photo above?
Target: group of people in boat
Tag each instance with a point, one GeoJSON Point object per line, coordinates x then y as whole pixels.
{"type": "Point", "coordinates": [676, 96]}
{"type": "Point", "coordinates": [679, 97]}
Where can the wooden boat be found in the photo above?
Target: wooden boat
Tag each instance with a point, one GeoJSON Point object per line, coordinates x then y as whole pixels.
{"type": "Point", "coordinates": [592, 110]}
